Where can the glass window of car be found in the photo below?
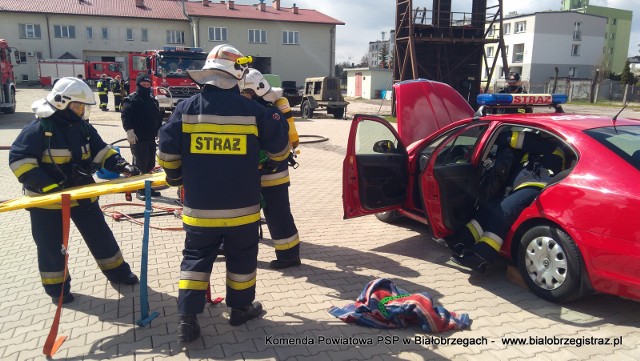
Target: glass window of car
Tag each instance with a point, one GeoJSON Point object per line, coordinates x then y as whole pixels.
{"type": "Point", "coordinates": [460, 148]}
{"type": "Point", "coordinates": [369, 136]}
{"type": "Point", "coordinates": [623, 140]}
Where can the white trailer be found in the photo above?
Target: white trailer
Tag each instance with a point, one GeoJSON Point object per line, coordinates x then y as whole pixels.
{"type": "Point", "coordinates": [51, 70]}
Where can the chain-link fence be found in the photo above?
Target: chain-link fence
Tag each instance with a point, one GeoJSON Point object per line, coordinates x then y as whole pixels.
{"type": "Point", "coordinates": [580, 89]}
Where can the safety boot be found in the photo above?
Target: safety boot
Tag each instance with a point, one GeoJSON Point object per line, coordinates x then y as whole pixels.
{"type": "Point", "coordinates": [130, 279]}
{"type": "Point", "coordinates": [472, 260]}
{"type": "Point", "coordinates": [66, 298]}
{"type": "Point", "coordinates": [188, 328]}
{"type": "Point", "coordinates": [285, 263]}
{"type": "Point", "coordinates": [244, 314]}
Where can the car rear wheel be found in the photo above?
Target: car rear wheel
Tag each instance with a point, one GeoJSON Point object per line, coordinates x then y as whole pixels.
{"type": "Point", "coordinates": [338, 113]}
{"type": "Point", "coordinates": [388, 217]}
{"type": "Point", "coordinates": [550, 263]}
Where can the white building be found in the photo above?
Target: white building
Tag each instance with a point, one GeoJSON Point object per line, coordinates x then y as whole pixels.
{"type": "Point", "coordinates": [294, 43]}
{"type": "Point", "coordinates": [374, 55]}
{"type": "Point", "coordinates": [539, 42]}
{"type": "Point", "coordinates": [368, 83]}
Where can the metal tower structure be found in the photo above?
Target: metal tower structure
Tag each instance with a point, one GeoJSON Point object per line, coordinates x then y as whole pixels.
{"type": "Point", "coordinates": [447, 46]}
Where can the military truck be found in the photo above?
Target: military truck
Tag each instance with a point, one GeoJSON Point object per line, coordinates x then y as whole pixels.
{"type": "Point", "coordinates": [323, 93]}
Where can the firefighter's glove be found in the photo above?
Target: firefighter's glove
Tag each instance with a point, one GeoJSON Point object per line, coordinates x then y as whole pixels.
{"type": "Point", "coordinates": [127, 169]}
{"type": "Point", "coordinates": [131, 137]}
{"type": "Point", "coordinates": [174, 182]}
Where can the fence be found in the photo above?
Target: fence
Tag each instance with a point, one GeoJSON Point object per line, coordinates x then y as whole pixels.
{"type": "Point", "coordinates": [580, 89]}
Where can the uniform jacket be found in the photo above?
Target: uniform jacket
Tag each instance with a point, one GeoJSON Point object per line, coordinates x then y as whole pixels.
{"type": "Point", "coordinates": [143, 115]}
{"type": "Point", "coordinates": [117, 88]}
{"type": "Point", "coordinates": [74, 146]}
{"type": "Point", "coordinates": [103, 86]}
{"type": "Point", "coordinates": [212, 142]}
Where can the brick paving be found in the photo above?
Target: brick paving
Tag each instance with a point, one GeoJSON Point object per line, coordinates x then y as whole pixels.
{"type": "Point", "coordinates": [339, 258]}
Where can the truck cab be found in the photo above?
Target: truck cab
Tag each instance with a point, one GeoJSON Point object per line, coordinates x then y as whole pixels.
{"type": "Point", "coordinates": [7, 78]}
{"type": "Point", "coordinates": [167, 69]}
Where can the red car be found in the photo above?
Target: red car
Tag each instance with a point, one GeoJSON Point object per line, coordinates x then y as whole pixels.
{"type": "Point", "coordinates": [582, 234]}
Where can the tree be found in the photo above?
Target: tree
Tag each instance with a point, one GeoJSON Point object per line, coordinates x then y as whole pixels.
{"type": "Point", "coordinates": [364, 61]}
{"type": "Point", "coordinates": [627, 77]}
{"type": "Point", "coordinates": [340, 70]}
{"type": "Point", "coordinates": [383, 55]}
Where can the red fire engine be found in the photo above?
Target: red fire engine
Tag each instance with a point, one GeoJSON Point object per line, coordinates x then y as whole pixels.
{"type": "Point", "coordinates": [7, 79]}
{"type": "Point", "coordinates": [51, 70]}
{"type": "Point", "coordinates": [167, 69]}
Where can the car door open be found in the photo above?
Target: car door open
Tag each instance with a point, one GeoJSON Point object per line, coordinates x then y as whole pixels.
{"type": "Point", "coordinates": [375, 169]}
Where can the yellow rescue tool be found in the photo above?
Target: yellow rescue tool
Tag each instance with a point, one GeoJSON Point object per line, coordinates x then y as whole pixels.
{"type": "Point", "coordinates": [119, 185]}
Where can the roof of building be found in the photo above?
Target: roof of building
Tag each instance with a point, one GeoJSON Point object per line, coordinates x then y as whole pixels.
{"type": "Point", "coordinates": [252, 12]}
{"type": "Point", "coordinates": [153, 9]}
{"type": "Point", "coordinates": [163, 9]}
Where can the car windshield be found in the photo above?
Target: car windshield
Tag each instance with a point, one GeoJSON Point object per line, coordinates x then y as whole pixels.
{"type": "Point", "coordinates": [624, 141]}
{"type": "Point", "coordinates": [177, 66]}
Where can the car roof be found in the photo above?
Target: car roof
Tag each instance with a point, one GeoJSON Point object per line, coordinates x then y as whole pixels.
{"type": "Point", "coordinates": [566, 121]}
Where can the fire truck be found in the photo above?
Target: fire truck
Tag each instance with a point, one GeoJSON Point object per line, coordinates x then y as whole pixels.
{"type": "Point", "coordinates": [51, 70]}
{"type": "Point", "coordinates": [167, 69]}
{"type": "Point", "coordinates": [7, 79]}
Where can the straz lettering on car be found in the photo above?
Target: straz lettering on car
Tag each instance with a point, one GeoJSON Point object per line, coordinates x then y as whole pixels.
{"type": "Point", "coordinates": [227, 144]}
{"type": "Point", "coordinates": [532, 99]}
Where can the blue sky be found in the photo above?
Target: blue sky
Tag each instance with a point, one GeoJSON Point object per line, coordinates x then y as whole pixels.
{"type": "Point", "coordinates": [366, 19]}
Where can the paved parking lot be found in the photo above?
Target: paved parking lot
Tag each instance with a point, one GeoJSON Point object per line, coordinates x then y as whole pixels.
{"type": "Point", "coordinates": [339, 258]}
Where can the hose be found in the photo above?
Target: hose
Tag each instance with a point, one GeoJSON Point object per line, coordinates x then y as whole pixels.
{"type": "Point", "coordinates": [118, 216]}
{"type": "Point", "coordinates": [315, 139]}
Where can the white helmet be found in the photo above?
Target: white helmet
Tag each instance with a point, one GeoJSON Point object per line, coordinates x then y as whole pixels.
{"type": "Point", "coordinates": [65, 91]}
{"type": "Point", "coordinates": [255, 81]}
{"type": "Point", "coordinates": [224, 61]}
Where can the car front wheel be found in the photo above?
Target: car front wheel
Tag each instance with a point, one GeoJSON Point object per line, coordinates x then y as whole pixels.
{"type": "Point", "coordinates": [550, 263]}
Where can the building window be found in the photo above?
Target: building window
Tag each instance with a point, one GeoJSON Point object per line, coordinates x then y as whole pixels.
{"type": "Point", "coordinates": [105, 33]}
{"type": "Point", "coordinates": [490, 52]}
{"type": "Point", "coordinates": [606, 36]}
{"type": "Point", "coordinates": [575, 49]}
{"type": "Point", "coordinates": [89, 31]}
{"type": "Point", "coordinates": [64, 31]}
{"type": "Point", "coordinates": [23, 57]}
{"type": "Point", "coordinates": [217, 34]}
{"type": "Point", "coordinates": [29, 31]}
{"type": "Point", "coordinates": [573, 72]}
{"type": "Point", "coordinates": [613, 36]}
{"type": "Point", "coordinates": [518, 53]}
{"type": "Point", "coordinates": [291, 37]}
{"type": "Point", "coordinates": [520, 27]}
{"type": "Point", "coordinates": [610, 50]}
{"type": "Point", "coordinates": [614, 22]}
{"type": "Point", "coordinates": [492, 31]}
{"type": "Point", "coordinates": [507, 28]}
{"type": "Point", "coordinates": [129, 34]}
{"type": "Point", "coordinates": [257, 36]}
{"type": "Point", "coordinates": [175, 37]}
{"type": "Point", "coordinates": [577, 33]}
{"type": "Point", "coordinates": [145, 35]}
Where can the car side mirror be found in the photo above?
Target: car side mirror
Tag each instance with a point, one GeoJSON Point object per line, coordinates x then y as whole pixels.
{"type": "Point", "coordinates": [384, 146]}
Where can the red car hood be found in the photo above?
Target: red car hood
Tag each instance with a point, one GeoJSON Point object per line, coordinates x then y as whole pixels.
{"type": "Point", "coordinates": [424, 106]}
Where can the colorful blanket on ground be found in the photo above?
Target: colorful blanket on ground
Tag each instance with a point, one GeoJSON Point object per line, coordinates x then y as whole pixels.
{"type": "Point", "coordinates": [383, 305]}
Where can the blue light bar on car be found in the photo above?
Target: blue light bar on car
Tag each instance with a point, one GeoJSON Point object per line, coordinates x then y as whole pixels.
{"type": "Point", "coordinates": [521, 99]}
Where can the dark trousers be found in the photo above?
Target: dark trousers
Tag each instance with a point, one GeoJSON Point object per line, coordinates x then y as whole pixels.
{"type": "Point", "coordinates": [144, 155]}
{"type": "Point", "coordinates": [104, 101]}
{"type": "Point", "coordinates": [117, 100]}
{"type": "Point", "coordinates": [46, 227]}
{"type": "Point", "coordinates": [200, 251]}
{"type": "Point", "coordinates": [282, 227]}
{"type": "Point", "coordinates": [496, 218]}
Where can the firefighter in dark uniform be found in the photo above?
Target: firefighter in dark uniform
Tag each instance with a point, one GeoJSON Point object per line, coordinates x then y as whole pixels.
{"type": "Point", "coordinates": [513, 86]}
{"type": "Point", "coordinates": [478, 244]}
{"type": "Point", "coordinates": [275, 179]}
{"type": "Point", "coordinates": [141, 119]}
{"type": "Point", "coordinates": [103, 92]}
{"type": "Point", "coordinates": [117, 87]}
{"type": "Point", "coordinates": [211, 146]}
{"type": "Point", "coordinates": [60, 150]}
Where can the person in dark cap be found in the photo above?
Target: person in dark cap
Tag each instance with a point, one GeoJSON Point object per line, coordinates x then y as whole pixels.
{"type": "Point", "coordinates": [141, 119]}
{"type": "Point", "coordinates": [513, 86]}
